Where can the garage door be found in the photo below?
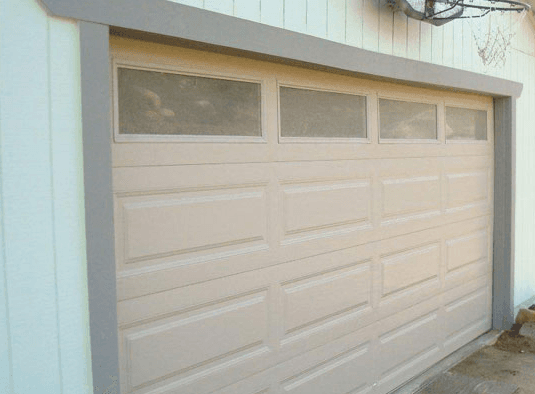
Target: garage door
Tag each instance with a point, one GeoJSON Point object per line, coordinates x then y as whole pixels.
{"type": "Point", "coordinates": [287, 230]}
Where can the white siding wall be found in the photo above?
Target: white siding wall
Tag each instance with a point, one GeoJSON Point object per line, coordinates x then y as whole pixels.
{"type": "Point", "coordinates": [44, 341]}
{"type": "Point", "coordinates": [372, 25]}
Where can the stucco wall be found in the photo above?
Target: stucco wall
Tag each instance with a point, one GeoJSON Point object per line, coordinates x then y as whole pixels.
{"type": "Point", "coordinates": [372, 25]}
{"type": "Point", "coordinates": [44, 338]}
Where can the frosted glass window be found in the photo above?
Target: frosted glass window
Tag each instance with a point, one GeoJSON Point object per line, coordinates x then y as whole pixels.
{"type": "Point", "coordinates": [312, 113]}
{"type": "Point", "coordinates": [466, 124]}
{"type": "Point", "coordinates": [407, 120]}
{"type": "Point", "coordinates": [152, 102]}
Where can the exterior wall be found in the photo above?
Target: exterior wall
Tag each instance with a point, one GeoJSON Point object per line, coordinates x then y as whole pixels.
{"type": "Point", "coordinates": [44, 336]}
{"type": "Point", "coordinates": [523, 70]}
{"type": "Point", "coordinates": [372, 25]}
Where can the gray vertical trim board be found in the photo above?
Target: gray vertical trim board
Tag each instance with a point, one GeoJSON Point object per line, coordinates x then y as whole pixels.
{"type": "Point", "coordinates": [96, 123]}
{"type": "Point", "coordinates": [504, 213]}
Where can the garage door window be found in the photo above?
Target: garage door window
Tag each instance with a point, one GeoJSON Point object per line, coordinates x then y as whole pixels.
{"type": "Point", "coordinates": [306, 113]}
{"type": "Point", "coordinates": [403, 120]}
{"type": "Point", "coordinates": [155, 103]}
{"type": "Point", "coordinates": [466, 124]}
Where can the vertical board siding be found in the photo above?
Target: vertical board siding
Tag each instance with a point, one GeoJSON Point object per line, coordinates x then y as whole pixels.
{"type": "Point", "coordinates": [317, 18]}
{"type": "Point", "coordinates": [457, 43]}
{"type": "Point", "coordinates": [370, 25]}
{"type": "Point", "coordinates": [413, 39]}
{"type": "Point", "coordinates": [437, 44]}
{"type": "Point", "coordinates": [222, 6]}
{"type": "Point", "coordinates": [426, 47]}
{"type": "Point", "coordinates": [68, 198]}
{"type": "Point", "coordinates": [44, 329]}
{"type": "Point", "coordinates": [386, 27]}
{"type": "Point", "coordinates": [247, 9]}
{"type": "Point", "coordinates": [354, 22]}
{"type": "Point", "coordinates": [400, 35]}
{"type": "Point", "coordinates": [467, 45]}
{"type": "Point", "coordinates": [336, 20]}
{"type": "Point", "coordinates": [295, 15]}
{"type": "Point", "coordinates": [523, 64]}
{"type": "Point", "coordinates": [272, 12]}
{"type": "Point", "coordinates": [27, 199]}
{"type": "Point", "coordinates": [447, 54]}
{"type": "Point", "coordinates": [6, 373]}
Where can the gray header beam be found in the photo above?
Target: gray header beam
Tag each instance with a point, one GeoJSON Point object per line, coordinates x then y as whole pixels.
{"type": "Point", "coordinates": [176, 20]}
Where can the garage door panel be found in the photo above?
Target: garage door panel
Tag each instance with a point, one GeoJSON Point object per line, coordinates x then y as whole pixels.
{"type": "Point", "coordinates": [325, 205]}
{"type": "Point", "coordinates": [466, 335]}
{"type": "Point", "coordinates": [163, 179]}
{"type": "Point", "coordinates": [136, 154]}
{"type": "Point", "coordinates": [411, 367]}
{"type": "Point", "coordinates": [326, 368]}
{"type": "Point", "coordinates": [466, 189]}
{"type": "Point", "coordinates": [466, 310]}
{"type": "Point", "coordinates": [315, 299]}
{"type": "Point", "coordinates": [410, 198]}
{"type": "Point", "coordinates": [297, 265]}
{"type": "Point", "coordinates": [336, 375]}
{"type": "Point", "coordinates": [410, 268]}
{"type": "Point", "coordinates": [152, 276]}
{"type": "Point", "coordinates": [466, 249]}
{"type": "Point", "coordinates": [478, 269]}
{"type": "Point", "coordinates": [183, 299]}
{"type": "Point", "coordinates": [409, 341]}
{"type": "Point", "coordinates": [223, 218]}
{"type": "Point", "coordinates": [217, 334]}
{"type": "Point", "coordinates": [412, 340]}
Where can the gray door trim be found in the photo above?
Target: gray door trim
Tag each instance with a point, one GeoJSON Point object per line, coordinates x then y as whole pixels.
{"type": "Point", "coordinates": [504, 213]}
{"type": "Point", "coordinates": [162, 21]}
{"type": "Point", "coordinates": [100, 233]}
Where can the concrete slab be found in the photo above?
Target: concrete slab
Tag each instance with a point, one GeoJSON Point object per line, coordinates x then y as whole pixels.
{"type": "Point", "coordinates": [442, 366]}
{"type": "Point", "coordinates": [493, 364]}
{"type": "Point", "coordinates": [448, 383]}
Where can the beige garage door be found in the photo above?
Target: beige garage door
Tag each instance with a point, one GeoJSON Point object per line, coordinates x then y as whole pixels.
{"type": "Point", "coordinates": [281, 230]}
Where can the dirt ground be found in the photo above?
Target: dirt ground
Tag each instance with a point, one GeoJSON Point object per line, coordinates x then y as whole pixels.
{"type": "Point", "coordinates": [510, 360]}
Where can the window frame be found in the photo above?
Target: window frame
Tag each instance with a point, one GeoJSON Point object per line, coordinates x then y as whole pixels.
{"type": "Point", "coordinates": [325, 140]}
{"type": "Point", "coordinates": [157, 67]}
{"type": "Point", "coordinates": [473, 106]}
{"type": "Point", "coordinates": [410, 99]}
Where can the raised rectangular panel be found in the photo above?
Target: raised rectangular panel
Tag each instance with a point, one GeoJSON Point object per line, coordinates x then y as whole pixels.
{"type": "Point", "coordinates": [345, 373]}
{"type": "Point", "coordinates": [409, 268]}
{"type": "Point", "coordinates": [407, 343]}
{"type": "Point", "coordinates": [179, 224]}
{"type": "Point", "coordinates": [316, 207]}
{"type": "Point", "coordinates": [465, 189]}
{"type": "Point", "coordinates": [410, 198]}
{"type": "Point", "coordinates": [467, 273]}
{"type": "Point", "coordinates": [325, 296]}
{"type": "Point", "coordinates": [466, 249]}
{"type": "Point", "coordinates": [461, 313]}
{"type": "Point", "coordinates": [227, 330]}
